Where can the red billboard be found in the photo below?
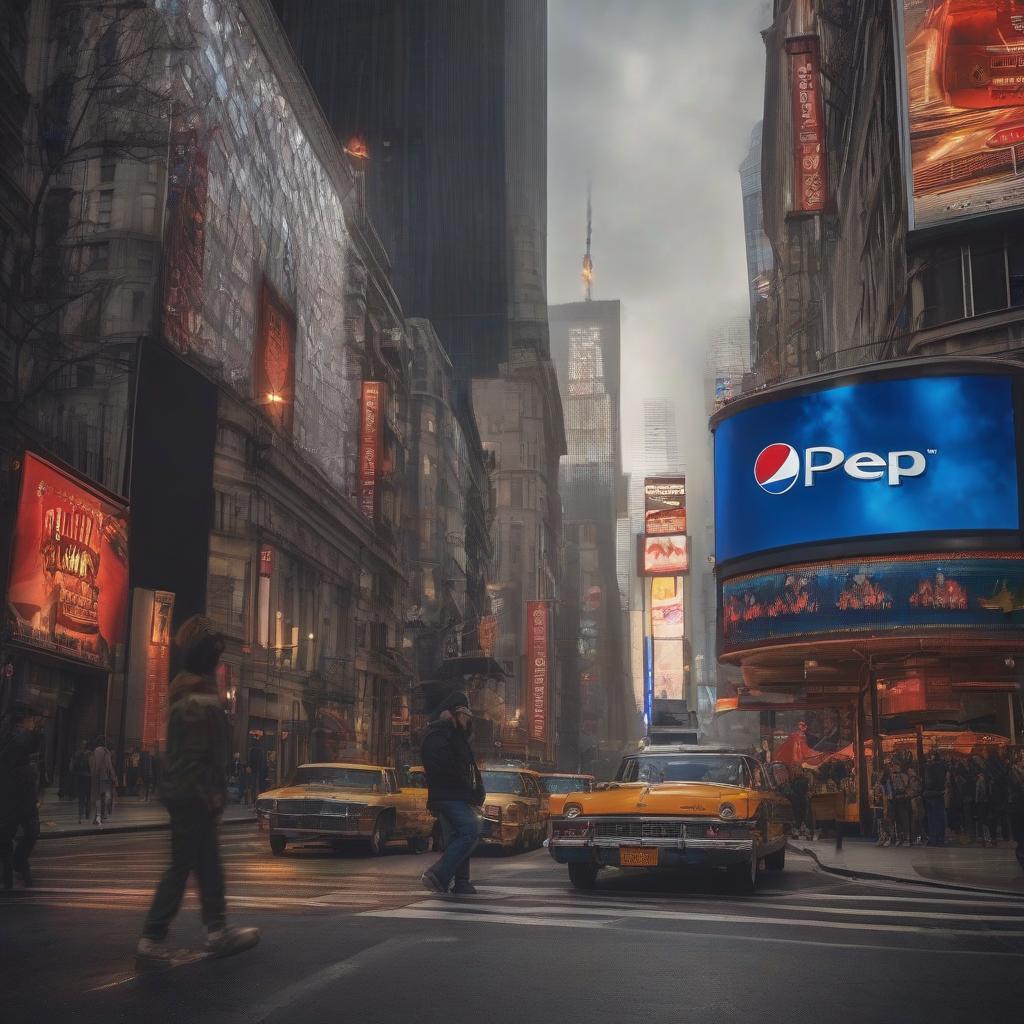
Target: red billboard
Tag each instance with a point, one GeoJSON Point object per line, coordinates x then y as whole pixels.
{"type": "Point", "coordinates": [810, 166]}
{"type": "Point", "coordinates": [538, 660]}
{"type": "Point", "coordinates": [963, 101]}
{"type": "Point", "coordinates": [371, 441]}
{"type": "Point", "coordinates": [664, 556]}
{"type": "Point", "coordinates": [275, 359]}
{"type": "Point", "coordinates": [68, 586]}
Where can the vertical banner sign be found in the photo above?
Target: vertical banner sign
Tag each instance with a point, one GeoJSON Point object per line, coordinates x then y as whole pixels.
{"type": "Point", "coordinates": [539, 667]}
{"type": "Point", "coordinates": [158, 671]}
{"type": "Point", "coordinates": [263, 610]}
{"type": "Point", "coordinates": [810, 168]}
{"type": "Point", "coordinates": [487, 632]}
{"type": "Point", "coordinates": [371, 438]}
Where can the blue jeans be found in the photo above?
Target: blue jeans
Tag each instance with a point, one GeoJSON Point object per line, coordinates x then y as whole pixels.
{"type": "Point", "coordinates": [461, 824]}
{"type": "Point", "coordinates": [936, 821]}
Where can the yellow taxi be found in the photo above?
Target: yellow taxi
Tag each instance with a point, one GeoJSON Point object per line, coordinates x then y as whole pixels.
{"type": "Point", "coordinates": [676, 808]}
{"type": "Point", "coordinates": [340, 803]}
{"type": "Point", "coordinates": [558, 786]}
{"type": "Point", "coordinates": [515, 809]}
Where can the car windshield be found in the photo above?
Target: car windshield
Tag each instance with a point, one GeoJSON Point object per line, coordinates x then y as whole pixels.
{"type": "Point", "coordinates": [503, 782]}
{"type": "Point", "coordinates": [342, 778]}
{"type": "Point", "coordinates": [722, 771]}
{"type": "Point", "coordinates": [568, 784]}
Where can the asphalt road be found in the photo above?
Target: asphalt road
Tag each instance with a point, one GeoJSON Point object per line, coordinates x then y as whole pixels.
{"type": "Point", "coordinates": [354, 938]}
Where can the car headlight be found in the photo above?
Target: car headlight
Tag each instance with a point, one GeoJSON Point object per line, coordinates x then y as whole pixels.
{"type": "Point", "coordinates": [492, 810]}
{"type": "Point", "coordinates": [727, 810]}
{"type": "Point", "coordinates": [573, 810]}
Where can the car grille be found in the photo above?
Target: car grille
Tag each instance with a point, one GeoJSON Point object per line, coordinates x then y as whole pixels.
{"type": "Point", "coordinates": [316, 822]}
{"type": "Point", "coordinates": [638, 829]}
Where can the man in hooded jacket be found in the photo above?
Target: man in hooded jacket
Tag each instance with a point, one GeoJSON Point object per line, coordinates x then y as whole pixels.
{"type": "Point", "coordinates": [455, 793]}
{"type": "Point", "coordinates": [193, 788]}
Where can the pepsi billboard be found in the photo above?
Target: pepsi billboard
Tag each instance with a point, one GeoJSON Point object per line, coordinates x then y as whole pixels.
{"type": "Point", "coordinates": [876, 458]}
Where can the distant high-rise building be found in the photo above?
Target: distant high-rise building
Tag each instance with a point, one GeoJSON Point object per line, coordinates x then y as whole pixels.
{"type": "Point", "coordinates": [760, 258]}
{"type": "Point", "coordinates": [727, 361]}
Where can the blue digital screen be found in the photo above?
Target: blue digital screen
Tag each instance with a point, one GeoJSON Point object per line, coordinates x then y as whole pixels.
{"type": "Point", "coordinates": [880, 457]}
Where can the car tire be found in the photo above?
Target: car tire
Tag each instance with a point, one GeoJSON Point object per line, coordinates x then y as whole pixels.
{"type": "Point", "coordinates": [583, 876]}
{"type": "Point", "coordinates": [277, 845]}
{"type": "Point", "coordinates": [379, 837]}
{"type": "Point", "coordinates": [775, 861]}
{"type": "Point", "coordinates": [419, 844]}
{"type": "Point", "coordinates": [744, 876]}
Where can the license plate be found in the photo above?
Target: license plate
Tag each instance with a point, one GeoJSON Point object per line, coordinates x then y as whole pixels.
{"type": "Point", "coordinates": [638, 856]}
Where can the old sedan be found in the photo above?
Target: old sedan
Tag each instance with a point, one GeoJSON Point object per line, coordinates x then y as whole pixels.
{"type": "Point", "coordinates": [344, 803]}
{"type": "Point", "coordinates": [675, 809]}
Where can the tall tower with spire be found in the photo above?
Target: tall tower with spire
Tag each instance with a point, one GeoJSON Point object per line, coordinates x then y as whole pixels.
{"type": "Point", "coordinates": [588, 263]}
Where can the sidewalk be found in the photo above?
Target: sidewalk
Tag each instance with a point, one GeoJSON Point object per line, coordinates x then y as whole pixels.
{"type": "Point", "coordinates": [131, 814]}
{"type": "Point", "coordinates": [971, 867]}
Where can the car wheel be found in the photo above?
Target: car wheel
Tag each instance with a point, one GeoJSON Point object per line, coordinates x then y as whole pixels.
{"type": "Point", "coordinates": [379, 836]}
{"type": "Point", "coordinates": [744, 876]}
{"type": "Point", "coordinates": [583, 876]}
{"type": "Point", "coordinates": [419, 844]}
{"type": "Point", "coordinates": [776, 861]}
{"type": "Point", "coordinates": [277, 845]}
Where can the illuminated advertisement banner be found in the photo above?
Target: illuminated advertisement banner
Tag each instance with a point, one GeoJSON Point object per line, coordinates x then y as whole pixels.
{"type": "Point", "coordinates": [275, 359]}
{"type": "Point", "coordinates": [158, 671]}
{"type": "Point", "coordinates": [664, 505]}
{"type": "Point", "coordinates": [68, 587]}
{"type": "Point", "coordinates": [664, 556]}
{"type": "Point", "coordinates": [538, 660]}
{"type": "Point", "coordinates": [882, 457]}
{"type": "Point", "coordinates": [956, 594]}
{"type": "Point", "coordinates": [669, 670]}
{"type": "Point", "coordinates": [668, 618]}
{"type": "Point", "coordinates": [963, 82]}
{"type": "Point", "coordinates": [810, 168]}
{"type": "Point", "coordinates": [371, 440]}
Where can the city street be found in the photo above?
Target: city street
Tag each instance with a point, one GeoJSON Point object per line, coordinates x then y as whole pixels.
{"type": "Point", "coordinates": [353, 937]}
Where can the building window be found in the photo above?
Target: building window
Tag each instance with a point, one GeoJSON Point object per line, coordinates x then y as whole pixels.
{"type": "Point", "coordinates": [138, 300]}
{"type": "Point", "coordinates": [108, 167]}
{"type": "Point", "coordinates": [517, 493]}
{"type": "Point", "coordinates": [97, 256]}
{"type": "Point", "coordinates": [147, 206]}
{"type": "Point", "coordinates": [105, 208]}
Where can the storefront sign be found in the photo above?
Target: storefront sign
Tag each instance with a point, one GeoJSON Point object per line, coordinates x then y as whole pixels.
{"type": "Point", "coordinates": [664, 505]}
{"type": "Point", "coordinates": [538, 667]}
{"type": "Point", "coordinates": [69, 574]}
{"type": "Point", "coordinates": [275, 359]}
{"type": "Point", "coordinates": [810, 167]}
{"type": "Point", "coordinates": [371, 439]}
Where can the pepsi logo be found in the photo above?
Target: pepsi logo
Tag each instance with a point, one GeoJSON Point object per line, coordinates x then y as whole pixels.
{"type": "Point", "coordinates": [777, 467]}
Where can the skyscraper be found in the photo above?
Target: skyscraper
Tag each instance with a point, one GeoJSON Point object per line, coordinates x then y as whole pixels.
{"type": "Point", "coordinates": [760, 258]}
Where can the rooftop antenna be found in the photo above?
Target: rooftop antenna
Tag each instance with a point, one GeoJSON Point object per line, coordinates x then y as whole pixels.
{"type": "Point", "coordinates": [588, 263]}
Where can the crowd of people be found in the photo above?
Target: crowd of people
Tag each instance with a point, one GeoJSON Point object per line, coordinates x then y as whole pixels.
{"type": "Point", "coordinates": [968, 798]}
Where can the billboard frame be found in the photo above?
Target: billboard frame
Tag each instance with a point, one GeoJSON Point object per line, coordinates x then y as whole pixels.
{"type": "Point", "coordinates": [937, 541]}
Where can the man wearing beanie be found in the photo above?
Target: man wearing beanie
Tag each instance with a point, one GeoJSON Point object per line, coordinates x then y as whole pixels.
{"type": "Point", "coordinates": [194, 789]}
{"type": "Point", "coordinates": [455, 792]}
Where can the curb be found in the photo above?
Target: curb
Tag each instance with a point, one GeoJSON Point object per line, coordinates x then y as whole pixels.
{"type": "Point", "coordinates": [115, 830]}
{"type": "Point", "coordinates": [927, 883]}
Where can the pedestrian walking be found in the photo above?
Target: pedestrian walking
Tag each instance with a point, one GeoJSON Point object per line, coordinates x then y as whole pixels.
{"type": "Point", "coordinates": [103, 777]}
{"type": "Point", "coordinates": [916, 806]}
{"type": "Point", "coordinates": [983, 804]}
{"type": "Point", "coordinates": [82, 775]}
{"type": "Point", "coordinates": [935, 799]}
{"type": "Point", "coordinates": [194, 791]}
{"type": "Point", "coordinates": [455, 793]}
{"type": "Point", "coordinates": [20, 794]}
{"type": "Point", "coordinates": [901, 809]}
{"type": "Point", "coordinates": [1016, 796]}
{"type": "Point", "coordinates": [146, 774]}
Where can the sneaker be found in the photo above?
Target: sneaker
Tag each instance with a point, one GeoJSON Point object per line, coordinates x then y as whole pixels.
{"type": "Point", "coordinates": [155, 950]}
{"type": "Point", "coordinates": [464, 888]}
{"type": "Point", "coordinates": [230, 940]}
{"type": "Point", "coordinates": [97, 820]}
{"type": "Point", "coordinates": [431, 882]}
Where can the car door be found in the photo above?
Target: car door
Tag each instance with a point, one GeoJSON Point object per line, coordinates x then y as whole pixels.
{"type": "Point", "coordinates": [533, 800]}
{"type": "Point", "coordinates": [401, 802]}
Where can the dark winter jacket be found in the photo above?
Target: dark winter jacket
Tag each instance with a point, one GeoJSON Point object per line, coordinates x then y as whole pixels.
{"type": "Point", "coordinates": [450, 766]}
{"type": "Point", "coordinates": [195, 768]}
{"type": "Point", "coordinates": [19, 774]}
{"type": "Point", "coordinates": [935, 779]}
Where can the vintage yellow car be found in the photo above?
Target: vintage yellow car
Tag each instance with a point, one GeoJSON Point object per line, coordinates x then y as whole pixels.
{"type": "Point", "coordinates": [676, 808]}
{"type": "Point", "coordinates": [345, 803]}
{"type": "Point", "coordinates": [515, 809]}
{"type": "Point", "coordinates": [558, 786]}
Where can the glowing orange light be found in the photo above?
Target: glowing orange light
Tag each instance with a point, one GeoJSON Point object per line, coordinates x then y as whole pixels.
{"type": "Point", "coordinates": [356, 147]}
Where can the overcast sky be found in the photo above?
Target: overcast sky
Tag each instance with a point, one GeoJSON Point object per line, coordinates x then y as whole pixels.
{"type": "Point", "coordinates": [654, 100]}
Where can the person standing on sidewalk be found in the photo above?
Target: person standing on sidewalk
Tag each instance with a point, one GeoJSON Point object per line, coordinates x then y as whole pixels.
{"type": "Point", "coordinates": [1016, 793]}
{"type": "Point", "coordinates": [194, 790]}
{"type": "Point", "coordinates": [901, 811]}
{"type": "Point", "coordinates": [82, 776]}
{"type": "Point", "coordinates": [935, 799]}
{"type": "Point", "coordinates": [20, 794]}
{"type": "Point", "coordinates": [103, 776]}
{"type": "Point", "coordinates": [455, 793]}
